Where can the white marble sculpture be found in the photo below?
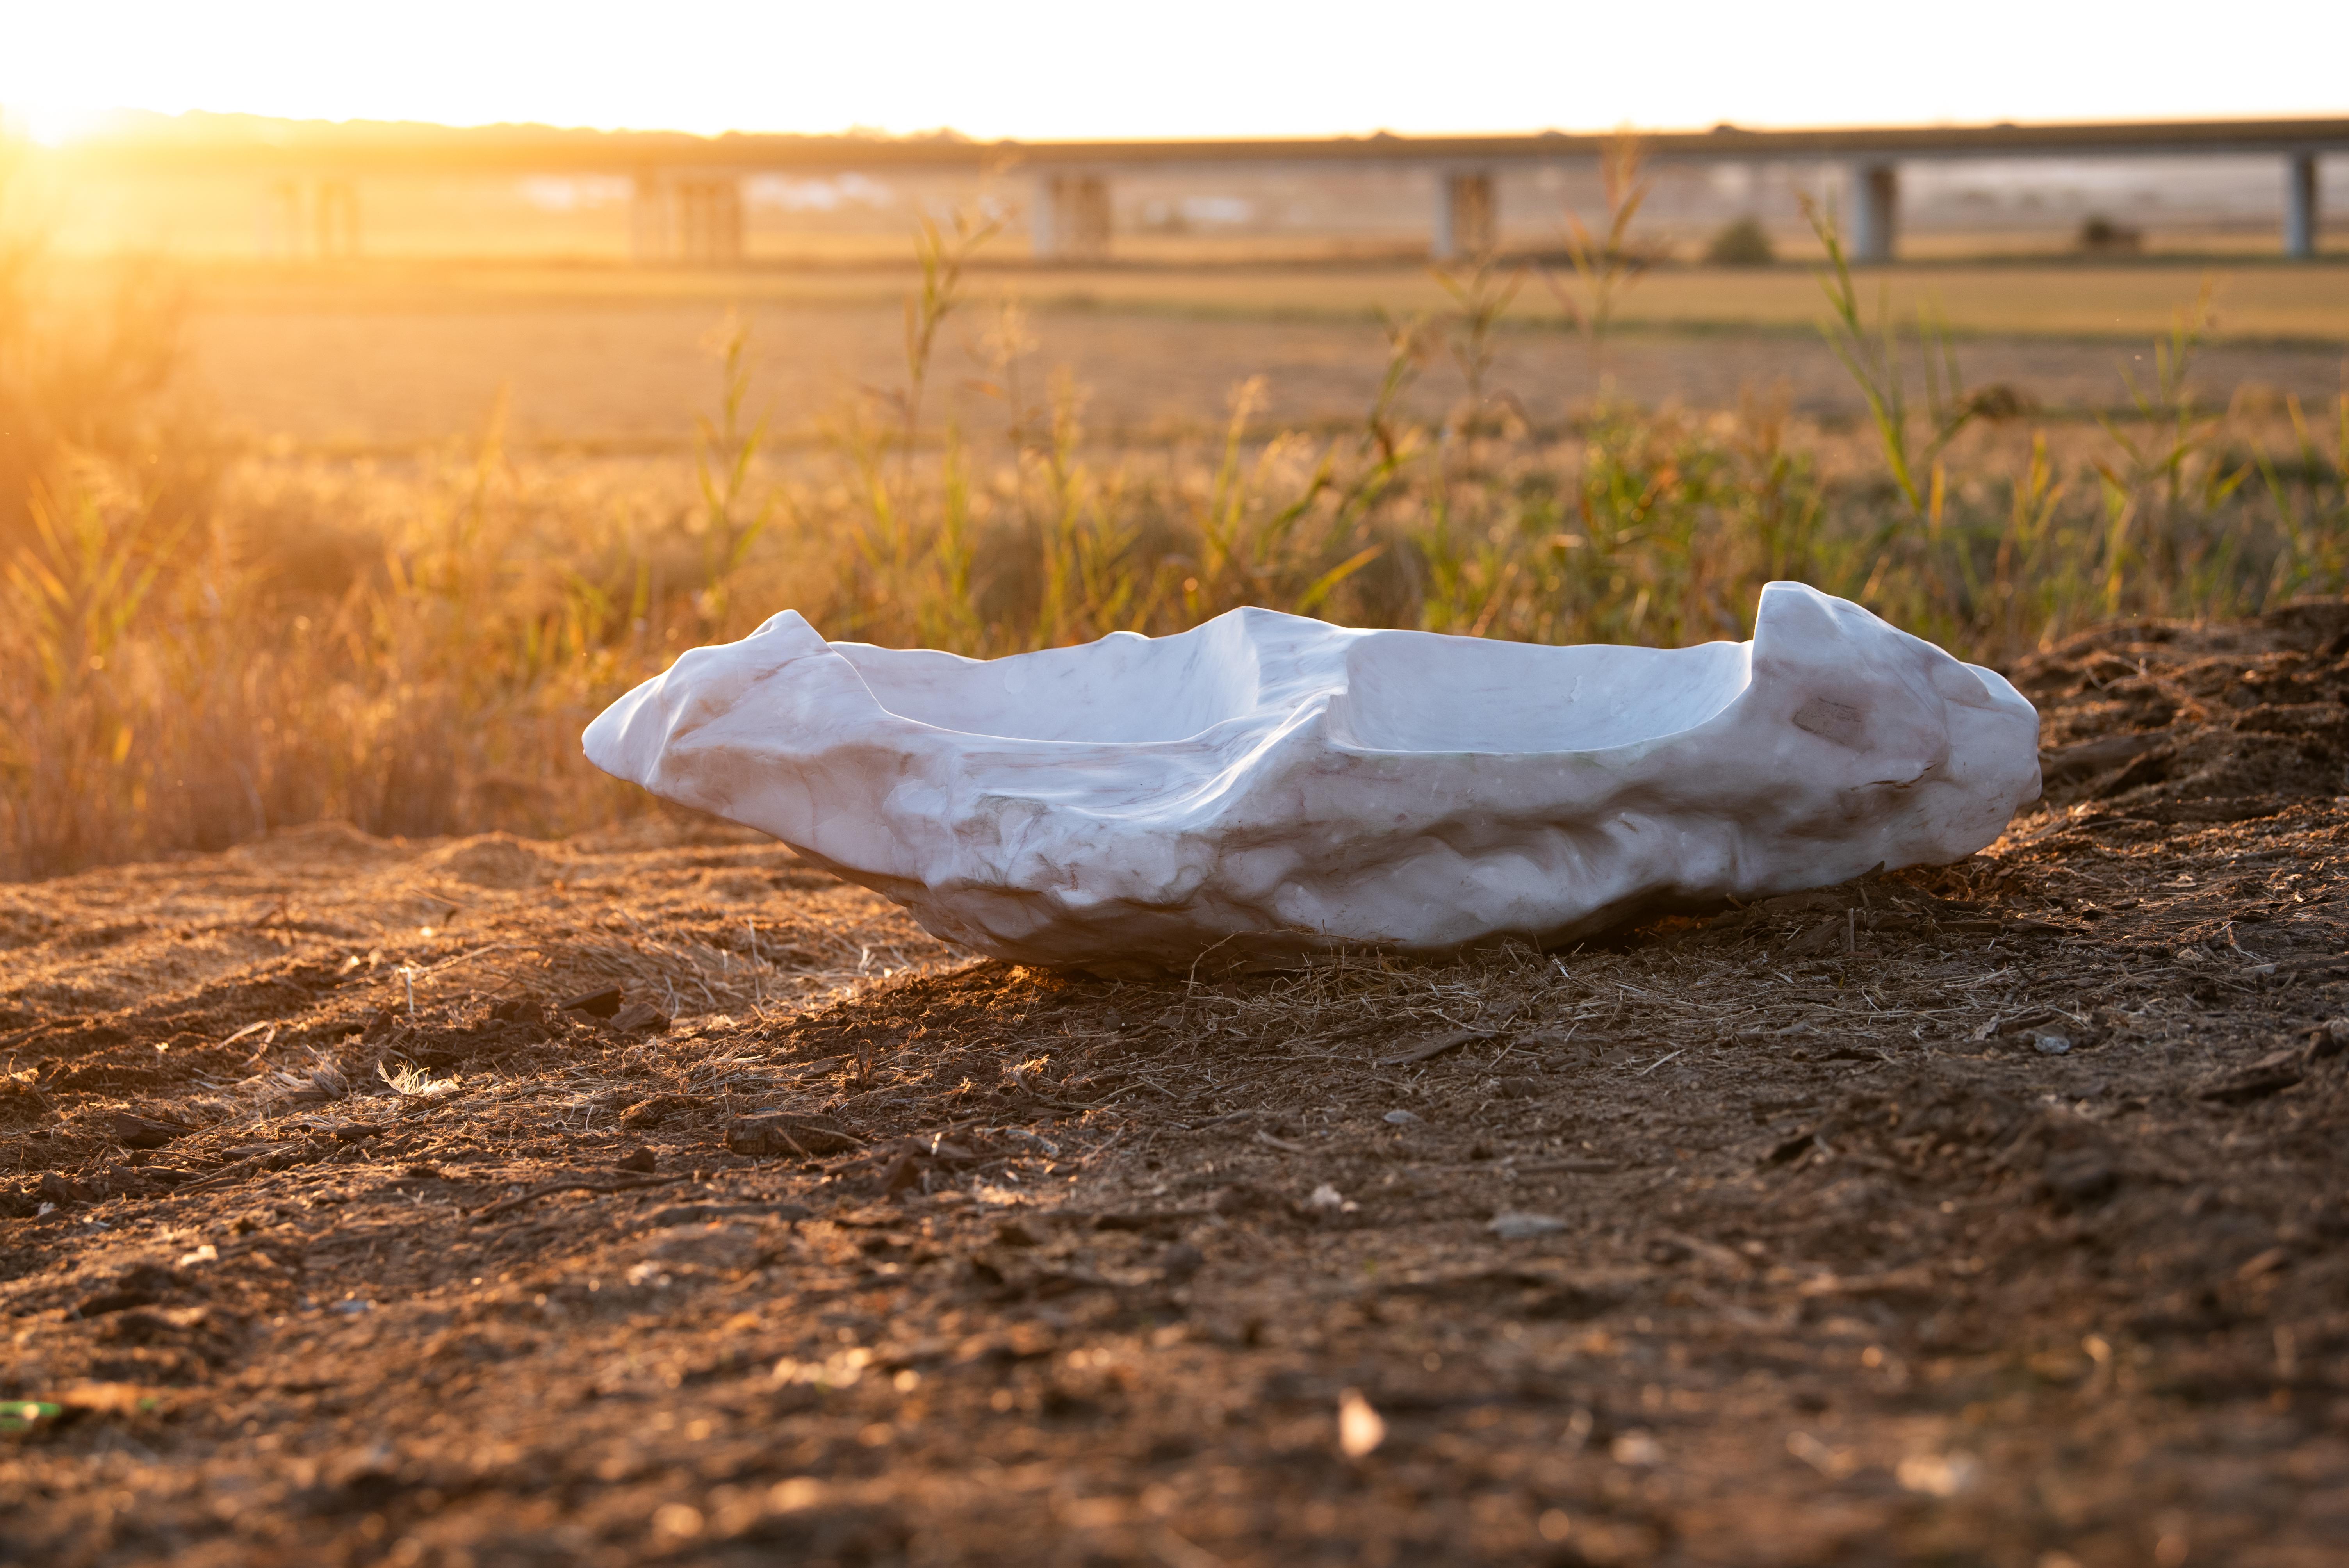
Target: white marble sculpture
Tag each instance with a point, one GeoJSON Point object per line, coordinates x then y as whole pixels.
{"type": "Point", "coordinates": [1266, 784]}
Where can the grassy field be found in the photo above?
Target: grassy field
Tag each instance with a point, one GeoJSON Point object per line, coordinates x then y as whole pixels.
{"type": "Point", "coordinates": [2259, 298]}
{"type": "Point", "coordinates": [375, 544]}
{"type": "Point", "coordinates": [630, 376]}
{"type": "Point", "coordinates": [388, 356]}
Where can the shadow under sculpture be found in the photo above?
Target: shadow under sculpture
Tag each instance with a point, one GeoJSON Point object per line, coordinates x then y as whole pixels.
{"type": "Point", "coordinates": [1266, 784]}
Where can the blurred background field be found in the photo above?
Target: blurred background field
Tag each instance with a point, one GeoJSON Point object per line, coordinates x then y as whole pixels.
{"type": "Point", "coordinates": [373, 538]}
{"type": "Point", "coordinates": [392, 354]}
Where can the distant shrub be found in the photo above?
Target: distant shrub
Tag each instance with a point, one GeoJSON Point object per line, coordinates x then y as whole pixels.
{"type": "Point", "coordinates": [2002, 400]}
{"type": "Point", "coordinates": [1743, 243]}
{"type": "Point", "coordinates": [2101, 235]}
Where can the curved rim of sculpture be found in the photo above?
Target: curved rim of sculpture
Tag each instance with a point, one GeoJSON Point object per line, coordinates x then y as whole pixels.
{"type": "Point", "coordinates": [1272, 783]}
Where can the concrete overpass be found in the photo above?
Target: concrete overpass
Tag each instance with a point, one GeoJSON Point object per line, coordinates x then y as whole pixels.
{"type": "Point", "coordinates": [688, 204]}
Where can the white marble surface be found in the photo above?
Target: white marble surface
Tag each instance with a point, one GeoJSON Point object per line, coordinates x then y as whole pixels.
{"type": "Point", "coordinates": [1266, 783]}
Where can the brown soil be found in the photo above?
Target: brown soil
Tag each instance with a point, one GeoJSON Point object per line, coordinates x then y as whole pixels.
{"type": "Point", "coordinates": [1992, 1214]}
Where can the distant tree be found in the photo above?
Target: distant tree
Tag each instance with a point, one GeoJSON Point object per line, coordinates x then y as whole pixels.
{"type": "Point", "coordinates": [1743, 243]}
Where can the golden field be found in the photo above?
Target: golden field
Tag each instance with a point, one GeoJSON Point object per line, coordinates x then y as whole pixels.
{"type": "Point", "coordinates": [2261, 297]}
{"type": "Point", "coordinates": [374, 541]}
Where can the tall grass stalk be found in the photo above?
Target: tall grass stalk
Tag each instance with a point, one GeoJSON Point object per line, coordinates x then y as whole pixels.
{"type": "Point", "coordinates": [1607, 264]}
{"type": "Point", "coordinates": [1874, 358]}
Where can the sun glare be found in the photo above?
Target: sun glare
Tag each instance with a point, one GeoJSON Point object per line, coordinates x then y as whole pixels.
{"type": "Point", "coordinates": [53, 125]}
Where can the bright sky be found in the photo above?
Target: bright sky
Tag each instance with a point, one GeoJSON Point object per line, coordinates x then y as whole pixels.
{"type": "Point", "coordinates": [1045, 68]}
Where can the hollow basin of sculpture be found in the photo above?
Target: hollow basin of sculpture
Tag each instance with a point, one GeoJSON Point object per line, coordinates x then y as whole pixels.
{"type": "Point", "coordinates": [1269, 784]}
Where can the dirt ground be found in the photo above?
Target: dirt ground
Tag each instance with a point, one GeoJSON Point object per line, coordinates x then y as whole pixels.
{"type": "Point", "coordinates": [1991, 1214]}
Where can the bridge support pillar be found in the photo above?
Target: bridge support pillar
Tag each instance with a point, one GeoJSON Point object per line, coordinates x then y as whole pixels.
{"type": "Point", "coordinates": [338, 220]}
{"type": "Point", "coordinates": [649, 220]}
{"type": "Point", "coordinates": [310, 219]}
{"type": "Point", "coordinates": [691, 218]}
{"type": "Point", "coordinates": [1069, 220]}
{"type": "Point", "coordinates": [279, 225]}
{"type": "Point", "coordinates": [1467, 215]}
{"type": "Point", "coordinates": [1875, 211]}
{"type": "Point", "coordinates": [709, 220]}
{"type": "Point", "coordinates": [2301, 214]}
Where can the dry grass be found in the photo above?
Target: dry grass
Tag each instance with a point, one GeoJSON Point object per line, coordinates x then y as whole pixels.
{"type": "Point", "coordinates": [201, 644]}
